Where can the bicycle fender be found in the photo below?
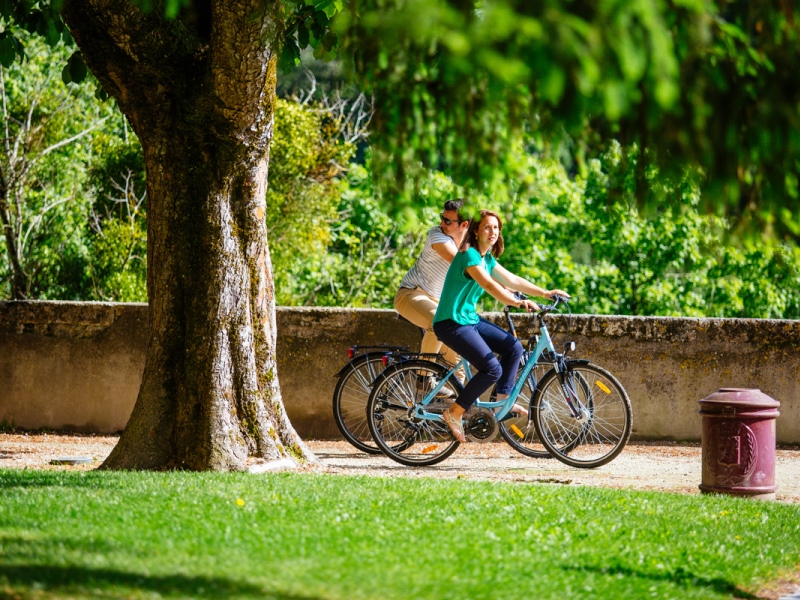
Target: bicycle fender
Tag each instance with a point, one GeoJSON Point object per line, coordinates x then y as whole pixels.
{"type": "Point", "coordinates": [578, 361]}
{"type": "Point", "coordinates": [352, 361]}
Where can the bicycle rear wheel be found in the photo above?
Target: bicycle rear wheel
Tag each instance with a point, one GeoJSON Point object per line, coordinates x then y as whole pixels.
{"type": "Point", "coordinates": [603, 429]}
{"type": "Point", "coordinates": [401, 435]}
{"type": "Point", "coordinates": [520, 432]}
{"type": "Point", "coordinates": [350, 399]}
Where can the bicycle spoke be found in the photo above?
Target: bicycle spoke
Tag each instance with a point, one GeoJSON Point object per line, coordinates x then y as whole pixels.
{"type": "Point", "coordinates": [397, 430]}
{"type": "Point", "coordinates": [350, 401]}
{"type": "Point", "coordinates": [604, 428]}
{"type": "Point", "coordinates": [520, 432]}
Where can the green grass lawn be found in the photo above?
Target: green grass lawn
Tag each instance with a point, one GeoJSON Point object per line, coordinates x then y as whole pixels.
{"type": "Point", "coordinates": [301, 536]}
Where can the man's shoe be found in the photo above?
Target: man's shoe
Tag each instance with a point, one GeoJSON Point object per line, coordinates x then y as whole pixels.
{"type": "Point", "coordinates": [427, 382]}
{"type": "Point", "coordinates": [517, 410]}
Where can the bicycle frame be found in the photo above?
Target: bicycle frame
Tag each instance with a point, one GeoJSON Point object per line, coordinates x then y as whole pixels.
{"type": "Point", "coordinates": [530, 359]}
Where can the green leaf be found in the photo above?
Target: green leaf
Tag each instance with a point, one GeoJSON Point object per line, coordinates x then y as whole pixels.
{"type": "Point", "coordinates": [321, 18]}
{"type": "Point", "coordinates": [329, 40]}
{"type": "Point", "coordinates": [302, 34]}
{"type": "Point", "coordinates": [77, 68]}
{"type": "Point", "coordinates": [51, 34]}
{"type": "Point", "coordinates": [287, 60]}
{"type": "Point", "coordinates": [9, 47]}
{"type": "Point", "coordinates": [100, 93]}
{"type": "Point", "coordinates": [318, 31]}
{"type": "Point", "coordinates": [331, 8]}
{"type": "Point", "coordinates": [65, 75]}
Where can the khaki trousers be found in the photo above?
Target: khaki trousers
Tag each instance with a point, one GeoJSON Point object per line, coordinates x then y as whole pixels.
{"type": "Point", "coordinates": [419, 307]}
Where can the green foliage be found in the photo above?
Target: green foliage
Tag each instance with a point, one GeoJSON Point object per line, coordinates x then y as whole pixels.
{"type": "Point", "coordinates": [591, 239]}
{"type": "Point", "coordinates": [708, 84]}
{"type": "Point", "coordinates": [739, 113]}
{"type": "Point", "coordinates": [366, 257]}
{"type": "Point", "coordinates": [39, 17]}
{"type": "Point", "coordinates": [454, 81]}
{"type": "Point", "coordinates": [210, 535]}
{"type": "Point", "coordinates": [48, 127]}
{"type": "Point", "coordinates": [75, 70]}
{"type": "Point", "coordinates": [306, 160]}
{"type": "Point", "coordinates": [117, 237]}
{"type": "Point", "coordinates": [332, 238]}
{"type": "Point", "coordinates": [338, 240]}
{"type": "Point", "coordinates": [308, 25]}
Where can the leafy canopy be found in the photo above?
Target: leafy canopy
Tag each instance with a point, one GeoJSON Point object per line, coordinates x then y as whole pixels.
{"type": "Point", "coordinates": [691, 83]}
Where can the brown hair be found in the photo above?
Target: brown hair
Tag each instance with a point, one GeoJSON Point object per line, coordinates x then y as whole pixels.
{"type": "Point", "coordinates": [457, 205]}
{"type": "Point", "coordinates": [471, 239]}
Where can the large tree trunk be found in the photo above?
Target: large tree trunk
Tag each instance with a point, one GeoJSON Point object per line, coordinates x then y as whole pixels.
{"type": "Point", "coordinates": [201, 101]}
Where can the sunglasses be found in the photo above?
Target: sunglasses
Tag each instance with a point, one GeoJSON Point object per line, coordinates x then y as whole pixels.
{"type": "Point", "coordinates": [447, 221]}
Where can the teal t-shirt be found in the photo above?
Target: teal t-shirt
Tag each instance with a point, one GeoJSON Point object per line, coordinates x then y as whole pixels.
{"type": "Point", "coordinates": [460, 293]}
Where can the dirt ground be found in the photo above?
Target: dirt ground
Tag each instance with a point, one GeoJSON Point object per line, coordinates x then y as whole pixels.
{"type": "Point", "coordinates": [669, 467]}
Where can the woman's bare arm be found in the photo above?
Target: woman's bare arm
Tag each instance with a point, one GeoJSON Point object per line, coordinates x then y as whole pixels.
{"type": "Point", "coordinates": [497, 291]}
{"type": "Point", "coordinates": [515, 282]}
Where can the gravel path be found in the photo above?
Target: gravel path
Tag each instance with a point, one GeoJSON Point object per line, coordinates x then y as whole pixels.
{"type": "Point", "coordinates": [671, 467]}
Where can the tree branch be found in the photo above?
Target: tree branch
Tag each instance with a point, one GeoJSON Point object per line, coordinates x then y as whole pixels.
{"type": "Point", "coordinates": [67, 141]}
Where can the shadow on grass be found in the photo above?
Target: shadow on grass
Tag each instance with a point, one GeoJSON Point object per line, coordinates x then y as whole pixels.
{"type": "Point", "coordinates": [30, 478]}
{"type": "Point", "coordinates": [75, 579]}
{"type": "Point", "coordinates": [680, 577]}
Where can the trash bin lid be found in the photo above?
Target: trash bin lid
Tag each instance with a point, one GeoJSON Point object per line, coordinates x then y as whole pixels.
{"type": "Point", "coordinates": [739, 398]}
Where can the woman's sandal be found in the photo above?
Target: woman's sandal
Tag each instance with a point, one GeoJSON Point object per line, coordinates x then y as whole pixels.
{"type": "Point", "coordinates": [454, 423]}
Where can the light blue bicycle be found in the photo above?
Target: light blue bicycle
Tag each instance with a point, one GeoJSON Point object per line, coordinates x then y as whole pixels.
{"type": "Point", "coordinates": [577, 412]}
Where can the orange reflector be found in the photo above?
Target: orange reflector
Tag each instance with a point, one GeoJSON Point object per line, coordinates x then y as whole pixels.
{"type": "Point", "coordinates": [429, 449]}
{"type": "Point", "coordinates": [516, 430]}
{"type": "Point", "coordinates": [603, 387]}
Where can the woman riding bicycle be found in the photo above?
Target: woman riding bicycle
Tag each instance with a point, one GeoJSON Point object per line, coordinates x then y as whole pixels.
{"type": "Point", "coordinates": [456, 323]}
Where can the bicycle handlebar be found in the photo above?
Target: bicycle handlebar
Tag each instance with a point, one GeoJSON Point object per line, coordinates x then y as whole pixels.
{"type": "Point", "coordinates": [544, 308]}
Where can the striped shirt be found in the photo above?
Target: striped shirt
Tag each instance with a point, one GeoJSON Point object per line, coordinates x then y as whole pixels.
{"type": "Point", "coordinates": [429, 271]}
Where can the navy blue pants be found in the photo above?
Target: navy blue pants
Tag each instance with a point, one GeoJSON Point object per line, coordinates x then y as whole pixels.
{"type": "Point", "coordinates": [478, 344]}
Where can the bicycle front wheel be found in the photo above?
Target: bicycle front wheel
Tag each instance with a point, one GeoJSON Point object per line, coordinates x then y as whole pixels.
{"type": "Point", "coordinates": [350, 399]}
{"type": "Point", "coordinates": [401, 435]}
{"type": "Point", "coordinates": [603, 428]}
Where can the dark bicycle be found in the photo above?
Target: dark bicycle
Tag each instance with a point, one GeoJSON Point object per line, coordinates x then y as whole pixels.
{"type": "Point", "coordinates": [352, 391]}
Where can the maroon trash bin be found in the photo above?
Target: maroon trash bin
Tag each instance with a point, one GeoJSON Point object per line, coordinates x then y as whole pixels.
{"type": "Point", "coordinates": [738, 442]}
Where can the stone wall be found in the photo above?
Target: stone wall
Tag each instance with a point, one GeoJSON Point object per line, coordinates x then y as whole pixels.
{"type": "Point", "coordinates": [77, 366]}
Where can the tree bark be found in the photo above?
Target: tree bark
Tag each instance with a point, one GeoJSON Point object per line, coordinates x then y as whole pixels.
{"type": "Point", "coordinates": [201, 100]}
